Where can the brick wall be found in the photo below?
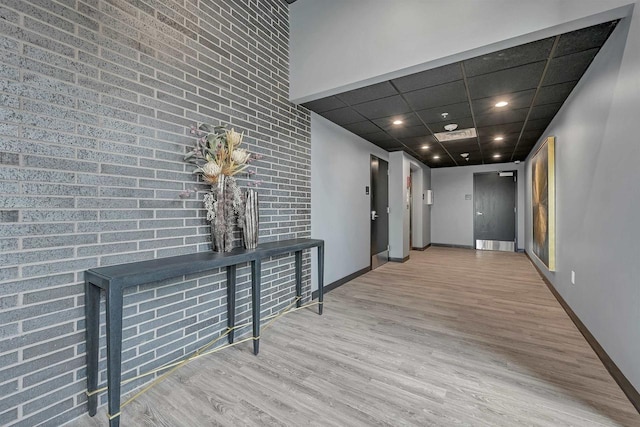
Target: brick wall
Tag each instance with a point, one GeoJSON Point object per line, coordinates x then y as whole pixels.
{"type": "Point", "coordinates": [96, 97]}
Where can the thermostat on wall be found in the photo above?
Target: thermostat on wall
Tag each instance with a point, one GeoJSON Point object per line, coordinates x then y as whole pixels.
{"type": "Point", "coordinates": [429, 200]}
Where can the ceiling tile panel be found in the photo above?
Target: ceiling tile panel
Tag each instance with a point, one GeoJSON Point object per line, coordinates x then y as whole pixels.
{"type": "Point", "coordinates": [368, 93]}
{"type": "Point", "coordinates": [443, 162]}
{"type": "Point", "coordinates": [455, 112]}
{"type": "Point", "coordinates": [509, 58]}
{"type": "Point", "coordinates": [463, 123]}
{"type": "Point", "coordinates": [408, 132]}
{"type": "Point", "coordinates": [343, 116]}
{"type": "Point", "coordinates": [537, 124]}
{"type": "Point", "coordinates": [417, 142]}
{"type": "Point", "coordinates": [569, 67]}
{"type": "Point", "coordinates": [508, 138]}
{"type": "Point", "coordinates": [456, 153]}
{"type": "Point", "coordinates": [584, 39]}
{"type": "Point", "coordinates": [445, 94]}
{"type": "Point", "coordinates": [492, 131]}
{"type": "Point", "coordinates": [409, 119]}
{"type": "Point", "coordinates": [474, 157]}
{"type": "Point", "coordinates": [554, 93]}
{"type": "Point", "coordinates": [502, 117]}
{"type": "Point", "coordinates": [424, 79]}
{"type": "Point", "coordinates": [324, 104]}
{"type": "Point", "coordinates": [525, 146]}
{"type": "Point", "coordinates": [530, 135]}
{"type": "Point", "coordinates": [390, 145]}
{"type": "Point", "coordinates": [378, 137]}
{"type": "Point", "coordinates": [384, 107]}
{"type": "Point", "coordinates": [496, 147]}
{"type": "Point", "coordinates": [516, 100]}
{"type": "Point", "coordinates": [362, 128]}
{"type": "Point", "coordinates": [546, 110]}
{"type": "Point", "coordinates": [506, 81]}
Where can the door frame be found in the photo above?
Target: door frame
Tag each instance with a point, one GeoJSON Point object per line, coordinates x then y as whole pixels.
{"type": "Point", "coordinates": [373, 266]}
{"type": "Point", "coordinates": [515, 212]}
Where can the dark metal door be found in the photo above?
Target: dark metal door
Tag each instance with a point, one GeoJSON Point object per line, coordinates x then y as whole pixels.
{"type": "Point", "coordinates": [495, 210]}
{"type": "Point", "coordinates": [379, 212]}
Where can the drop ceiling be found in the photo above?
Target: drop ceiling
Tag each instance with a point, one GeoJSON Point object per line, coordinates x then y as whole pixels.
{"type": "Point", "coordinates": [535, 79]}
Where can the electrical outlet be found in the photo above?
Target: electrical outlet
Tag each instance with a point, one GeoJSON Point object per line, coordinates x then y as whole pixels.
{"type": "Point", "coordinates": [573, 277]}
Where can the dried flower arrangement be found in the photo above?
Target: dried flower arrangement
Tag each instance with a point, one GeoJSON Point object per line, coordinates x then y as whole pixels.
{"type": "Point", "coordinates": [218, 159]}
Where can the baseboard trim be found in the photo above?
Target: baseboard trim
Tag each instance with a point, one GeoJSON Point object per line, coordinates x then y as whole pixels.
{"type": "Point", "coordinates": [405, 259]}
{"type": "Point", "coordinates": [340, 282]}
{"type": "Point", "coordinates": [615, 372]}
{"type": "Point", "coordinates": [421, 249]}
{"type": "Point", "coordinates": [446, 245]}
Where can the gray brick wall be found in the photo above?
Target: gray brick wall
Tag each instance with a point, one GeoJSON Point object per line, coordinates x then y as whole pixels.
{"type": "Point", "coordinates": [96, 97]}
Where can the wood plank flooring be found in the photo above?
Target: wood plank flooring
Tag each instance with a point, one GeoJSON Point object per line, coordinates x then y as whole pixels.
{"type": "Point", "coordinates": [452, 337]}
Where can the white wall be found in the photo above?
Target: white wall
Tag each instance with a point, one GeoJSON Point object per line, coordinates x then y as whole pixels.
{"type": "Point", "coordinates": [401, 166]}
{"type": "Point", "coordinates": [338, 45]}
{"type": "Point", "coordinates": [426, 217]}
{"type": "Point", "coordinates": [452, 216]}
{"type": "Point", "coordinates": [399, 214]}
{"type": "Point", "coordinates": [340, 209]}
{"type": "Point", "coordinates": [417, 184]}
{"type": "Point", "coordinates": [598, 198]}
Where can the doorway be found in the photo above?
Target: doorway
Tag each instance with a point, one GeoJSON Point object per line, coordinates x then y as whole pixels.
{"type": "Point", "coordinates": [379, 212]}
{"type": "Point", "coordinates": [495, 210]}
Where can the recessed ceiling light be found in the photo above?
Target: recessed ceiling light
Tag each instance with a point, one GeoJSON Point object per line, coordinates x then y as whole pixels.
{"type": "Point", "coordinates": [502, 104]}
{"type": "Point", "coordinates": [397, 122]}
{"type": "Point", "coordinates": [498, 138]}
{"type": "Point", "coordinates": [425, 147]}
{"type": "Point", "coordinates": [436, 157]}
{"type": "Point", "coordinates": [496, 156]}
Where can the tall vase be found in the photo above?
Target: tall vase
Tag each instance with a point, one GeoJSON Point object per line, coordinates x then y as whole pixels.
{"type": "Point", "coordinates": [219, 224]}
{"type": "Point", "coordinates": [251, 220]}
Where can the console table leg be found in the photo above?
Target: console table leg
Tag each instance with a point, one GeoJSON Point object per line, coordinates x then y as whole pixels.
{"type": "Point", "coordinates": [299, 278]}
{"type": "Point", "coordinates": [92, 333]}
{"type": "Point", "coordinates": [256, 267]}
{"type": "Point", "coordinates": [231, 300]}
{"type": "Point", "coordinates": [114, 352]}
{"type": "Point", "coordinates": [320, 277]}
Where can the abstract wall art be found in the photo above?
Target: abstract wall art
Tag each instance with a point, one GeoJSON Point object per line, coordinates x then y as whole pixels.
{"type": "Point", "coordinates": [544, 203]}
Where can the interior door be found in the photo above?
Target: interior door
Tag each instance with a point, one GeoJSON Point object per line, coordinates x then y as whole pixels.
{"type": "Point", "coordinates": [379, 212]}
{"type": "Point", "coordinates": [495, 210]}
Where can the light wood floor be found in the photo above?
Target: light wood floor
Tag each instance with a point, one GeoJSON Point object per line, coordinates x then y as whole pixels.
{"type": "Point", "coordinates": [452, 337]}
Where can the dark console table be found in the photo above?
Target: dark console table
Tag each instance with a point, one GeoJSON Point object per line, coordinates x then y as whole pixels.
{"type": "Point", "coordinates": [115, 279]}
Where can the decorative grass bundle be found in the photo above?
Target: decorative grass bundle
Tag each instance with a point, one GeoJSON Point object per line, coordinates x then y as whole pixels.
{"type": "Point", "coordinates": [218, 158]}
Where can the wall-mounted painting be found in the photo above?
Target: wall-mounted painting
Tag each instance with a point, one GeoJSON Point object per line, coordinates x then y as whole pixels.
{"type": "Point", "coordinates": [544, 203]}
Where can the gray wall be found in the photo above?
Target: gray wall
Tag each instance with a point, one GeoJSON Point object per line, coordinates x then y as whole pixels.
{"type": "Point", "coordinates": [340, 209]}
{"type": "Point", "coordinates": [452, 215]}
{"type": "Point", "coordinates": [598, 198]}
{"type": "Point", "coordinates": [96, 99]}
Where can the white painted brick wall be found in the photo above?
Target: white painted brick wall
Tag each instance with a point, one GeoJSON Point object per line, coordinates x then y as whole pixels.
{"type": "Point", "coordinates": [96, 97]}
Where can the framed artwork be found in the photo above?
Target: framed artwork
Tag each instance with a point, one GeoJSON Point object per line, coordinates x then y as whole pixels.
{"type": "Point", "coordinates": [543, 202]}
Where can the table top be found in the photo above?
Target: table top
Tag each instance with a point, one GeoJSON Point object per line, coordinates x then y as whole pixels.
{"type": "Point", "coordinates": [137, 273]}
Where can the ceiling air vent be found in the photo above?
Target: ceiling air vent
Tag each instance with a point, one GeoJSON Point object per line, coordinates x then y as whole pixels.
{"type": "Point", "coordinates": [456, 134]}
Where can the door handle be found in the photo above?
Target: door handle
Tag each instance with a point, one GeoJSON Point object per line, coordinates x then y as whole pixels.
{"type": "Point", "coordinates": [374, 215]}
{"type": "Point", "coordinates": [478, 213]}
